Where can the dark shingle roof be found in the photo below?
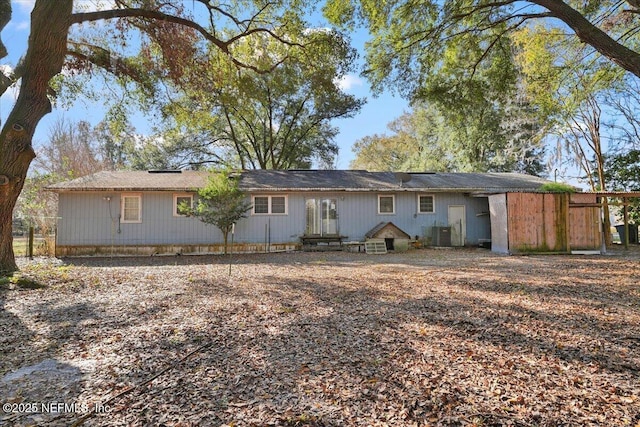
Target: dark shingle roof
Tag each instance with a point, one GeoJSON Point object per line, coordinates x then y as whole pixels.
{"type": "Point", "coordinates": [308, 180]}
{"type": "Point", "coordinates": [355, 180]}
{"type": "Point", "coordinates": [385, 225]}
{"type": "Point", "coordinates": [316, 180]}
{"type": "Point", "coordinates": [134, 181]}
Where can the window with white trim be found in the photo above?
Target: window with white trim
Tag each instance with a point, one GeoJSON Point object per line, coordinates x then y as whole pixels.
{"type": "Point", "coordinates": [426, 204]}
{"type": "Point", "coordinates": [269, 205]}
{"type": "Point", "coordinates": [386, 204]}
{"type": "Point", "coordinates": [131, 208]}
{"type": "Point", "coordinates": [179, 199]}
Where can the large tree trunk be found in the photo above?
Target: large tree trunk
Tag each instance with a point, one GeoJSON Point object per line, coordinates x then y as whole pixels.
{"type": "Point", "coordinates": [50, 21]}
{"type": "Point", "coordinates": [592, 35]}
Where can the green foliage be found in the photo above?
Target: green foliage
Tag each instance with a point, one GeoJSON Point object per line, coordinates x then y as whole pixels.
{"type": "Point", "coordinates": [275, 120]}
{"type": "Point", "coordinates": [432, 53]}
{"type": "Point", "coordinates": [221, 203]}
{"type": "Point", "coordinates": [430, 139]}
{"type": "Point", "coordinates": [623, 174]}
{"type": "Point", "coordinates": [413, 41]}
{"type": "Point", "coordinates": [36, 206]}
{"type": "Point", "coordinates": [557, 187]}
{"type": "Point", "coordinates": [17, 280]}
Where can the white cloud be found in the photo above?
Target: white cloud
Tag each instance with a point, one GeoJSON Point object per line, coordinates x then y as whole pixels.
{"type": "Point", "coordinates": [22, 25]}
{"type": "Point", "coordinates": [93, 5]}
{"type": "Point", "coordinates": [6, 69]}
{"type": "Point", "coordinates": [25, 5]}
{"type": "Point", "coordinates": [349, 81]}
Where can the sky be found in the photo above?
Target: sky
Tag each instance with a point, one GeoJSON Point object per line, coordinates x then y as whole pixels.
{"type": "Point", "coordinates": [372, 118]}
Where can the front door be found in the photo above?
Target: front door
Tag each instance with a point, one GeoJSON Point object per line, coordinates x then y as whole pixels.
{"type": "Point", "coordinates": [458, 224]}
{"type": "Point", "coordinates": [322, 217]}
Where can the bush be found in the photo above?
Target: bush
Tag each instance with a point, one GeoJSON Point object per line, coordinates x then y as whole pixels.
{"type": "Point", "coordinates": [557, 187]}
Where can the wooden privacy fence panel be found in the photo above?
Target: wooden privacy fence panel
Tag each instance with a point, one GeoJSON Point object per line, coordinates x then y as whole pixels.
{"type": "Point", "coordinates": [538, 222]}
{"type": "Point", "coordinates": [586, 227]}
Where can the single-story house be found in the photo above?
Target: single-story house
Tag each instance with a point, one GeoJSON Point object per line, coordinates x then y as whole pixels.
{"type": "Point", "coordinates": [136, 212]}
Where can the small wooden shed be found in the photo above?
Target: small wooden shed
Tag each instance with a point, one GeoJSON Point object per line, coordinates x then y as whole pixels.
{"type": "Point", "coordinates": [545, 222]}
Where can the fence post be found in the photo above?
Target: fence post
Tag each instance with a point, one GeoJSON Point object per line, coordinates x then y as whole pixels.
{"type": "Point", "coordinates": [30, 246]}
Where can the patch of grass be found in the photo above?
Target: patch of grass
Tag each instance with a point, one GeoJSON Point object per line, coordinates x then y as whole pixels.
{"type": "Point", "coordinates": [557, 187]}
{"type": "Point", "coordinates": [19, 281]}
{"type": "Point", "coordinates": [19, 246]}
{"type": "Point", "coordinates": [42, 246]}
{"type": "Point", "coordinates": [36, 276]}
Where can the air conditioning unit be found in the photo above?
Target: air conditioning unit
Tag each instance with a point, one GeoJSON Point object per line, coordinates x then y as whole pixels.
{"type": "Point", "coordinates": [441, 236]}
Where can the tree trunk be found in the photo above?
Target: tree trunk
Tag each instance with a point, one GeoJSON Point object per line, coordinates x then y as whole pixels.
{"type": "Point", "coordinates": [592, 35]}
{"type": "Point", "coordinates": [45, 56]}
{"type": "Point", "coordinates": [225, 236]}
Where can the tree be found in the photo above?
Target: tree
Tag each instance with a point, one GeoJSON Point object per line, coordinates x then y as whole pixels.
{"type": "Point", "coordinates": [161, 27]}
{"type": "Point", "coordinates": [116, 142]}
{"type": "Point", "coordinates": [434, 140]}
{"type": "Point", "coordinates": [279, 120]}
{"type": "Point", "coordinates": [220, 203]}
{"type": "Point", "coordinates": [416, 144]}
{"type": "Point", "coordinates": [569, 91]}
{"type": "Point", "coordinates": [471, 85]}
{"type": "Point", "coordinates": [411, 38]}
{"type": "Point", "coordinates": [623, 174]}
{"type": "Point", "coordinates": [70, 151]}
{"type": "Point", "coordinates": [37, 206]}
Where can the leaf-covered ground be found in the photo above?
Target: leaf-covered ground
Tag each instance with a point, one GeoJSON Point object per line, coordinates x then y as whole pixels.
{"type": "Point", "coordinates": [430, 337]}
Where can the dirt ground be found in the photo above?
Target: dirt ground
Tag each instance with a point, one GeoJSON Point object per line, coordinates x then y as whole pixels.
{"type": "Point", "coordinates": [428, 337]}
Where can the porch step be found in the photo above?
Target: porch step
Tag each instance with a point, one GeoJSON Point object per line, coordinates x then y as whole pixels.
{"type": "Point", "coordinates": [321, 247]}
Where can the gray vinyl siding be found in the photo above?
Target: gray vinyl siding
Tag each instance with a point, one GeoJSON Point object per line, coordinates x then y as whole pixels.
{"type": "Point", "coordinates": [358, 213]}
{"type": "Point", "coordinates": [89, 219]}
{"type": "Point", "coordinates": [86, 218]}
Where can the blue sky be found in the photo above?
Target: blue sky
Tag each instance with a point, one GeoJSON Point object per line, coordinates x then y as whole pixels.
{"type": "Point", "coordinates": [373, 117]}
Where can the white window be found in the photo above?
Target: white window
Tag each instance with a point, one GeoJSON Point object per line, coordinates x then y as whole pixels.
{"type": "Point", "coordinates": [386, 204]}
{"type": "Point", "coordinates": [426, 204]}
{"type": "Point", "coordinates": [269, 205]}
{"type": "Point", "coordinates": [180, 199]}
{"type": "Point", "coordinates": [131, 208]}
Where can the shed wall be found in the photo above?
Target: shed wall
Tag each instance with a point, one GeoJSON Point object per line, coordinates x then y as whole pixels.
{"type": "Point", "coordinates": [499, 223]}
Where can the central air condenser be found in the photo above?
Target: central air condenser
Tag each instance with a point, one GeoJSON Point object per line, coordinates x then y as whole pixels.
{"type": "Point", "coordinates": [441, 236]}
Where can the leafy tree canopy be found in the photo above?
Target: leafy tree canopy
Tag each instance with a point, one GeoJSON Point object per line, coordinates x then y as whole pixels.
{"type": "Point", "coordinates": [623, 174]}
{"type": "Point", "coordinates": [140, 42]}
{"type": "Point", "coordinates": [220, 203]}
{"type": "Point", "coordinates": [413, 40]}
{"type": "Point", "coordinates": [275, 120]}
{"type": "Point", "coordinates": [429, 139]}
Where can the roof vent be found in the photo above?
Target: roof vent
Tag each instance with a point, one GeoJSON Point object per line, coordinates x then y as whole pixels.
{"type": "Point", "coordinates": [403, 177]}
{"type": "Point", "coordinates": [164, 171]}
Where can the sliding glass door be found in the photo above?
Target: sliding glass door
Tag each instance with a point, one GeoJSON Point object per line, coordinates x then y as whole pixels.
{"type": "Point", "coordinates": [322, 217]}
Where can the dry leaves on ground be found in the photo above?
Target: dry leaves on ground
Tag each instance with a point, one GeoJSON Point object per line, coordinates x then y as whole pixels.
{"type": "Point", "coordinates": [429, 337]}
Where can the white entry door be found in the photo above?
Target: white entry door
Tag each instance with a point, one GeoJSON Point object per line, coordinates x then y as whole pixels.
{"type": "Point", "coordinates": [458, 225]}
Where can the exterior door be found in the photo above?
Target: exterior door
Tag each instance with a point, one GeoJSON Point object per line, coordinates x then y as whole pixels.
{"type": "Point", "coordinates": [458, 224]}
{"type": "Point", "coordinates": [322, 217]}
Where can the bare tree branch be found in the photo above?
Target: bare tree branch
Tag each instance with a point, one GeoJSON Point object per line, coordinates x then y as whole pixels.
{"type": "Point", "coordinates": [223, 45]}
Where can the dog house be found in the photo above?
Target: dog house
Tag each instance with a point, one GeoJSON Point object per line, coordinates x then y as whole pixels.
{"type": "Point", "coordinates": [394, 238]}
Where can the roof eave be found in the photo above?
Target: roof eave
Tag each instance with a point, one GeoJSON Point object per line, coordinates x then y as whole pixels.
{"type": "Point", "coordinates": [118, 189]}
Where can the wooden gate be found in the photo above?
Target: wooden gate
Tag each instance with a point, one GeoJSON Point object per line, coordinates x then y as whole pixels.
{"type": "Point", "coordinates": [585, 231]}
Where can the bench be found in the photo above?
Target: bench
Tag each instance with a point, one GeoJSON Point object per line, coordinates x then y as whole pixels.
{"type": "Point", "coordinates": [322, 243]}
